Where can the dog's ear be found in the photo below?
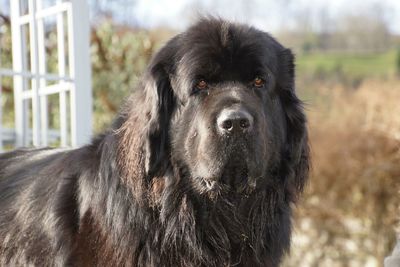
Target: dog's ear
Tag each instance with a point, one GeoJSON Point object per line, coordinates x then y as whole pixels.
{"type": "Point", "coordinates": [296, 155]}
{"type": "Point", "coordinates": [142, 128]}
{"type": "Point", "coordinates": [162, 101]}
{"type": "Point", "coordinates": [157, 146]}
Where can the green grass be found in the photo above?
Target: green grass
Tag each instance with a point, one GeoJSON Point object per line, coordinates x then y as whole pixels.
{"type": "Point", "coordinates": [359, 65]}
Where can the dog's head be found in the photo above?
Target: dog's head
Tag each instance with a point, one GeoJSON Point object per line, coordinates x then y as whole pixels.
{"type": "Point", "coordinates": [219, 107]}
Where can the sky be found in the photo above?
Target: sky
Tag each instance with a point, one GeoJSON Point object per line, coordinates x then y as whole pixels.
{"type": "Point", "coordinates": [270, 15]}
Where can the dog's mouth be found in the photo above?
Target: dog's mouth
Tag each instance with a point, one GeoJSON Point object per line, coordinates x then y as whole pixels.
{"type": "Point", "coordinates": [234, 177]}
{"type": "Point", "coordinates": [235, 174]}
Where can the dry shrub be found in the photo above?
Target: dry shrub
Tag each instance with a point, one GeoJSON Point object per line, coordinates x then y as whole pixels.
{"type": "Point", "coordinates": [350, 209]}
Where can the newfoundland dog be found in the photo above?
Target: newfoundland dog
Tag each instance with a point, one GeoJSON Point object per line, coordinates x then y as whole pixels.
{"type": "Point", "coordinates": [200, 168]}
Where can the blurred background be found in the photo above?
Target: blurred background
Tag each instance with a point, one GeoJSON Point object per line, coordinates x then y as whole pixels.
{"type": "Point", "coordinates": [348, 75]}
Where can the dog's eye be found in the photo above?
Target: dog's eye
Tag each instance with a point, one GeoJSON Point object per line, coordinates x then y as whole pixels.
{"type": "Point", "coordinates": [258, 82]}
{"type": "Point", "coordinates": [201, 84]}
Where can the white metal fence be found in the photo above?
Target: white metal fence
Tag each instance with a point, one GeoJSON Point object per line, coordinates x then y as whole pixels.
{"type": "Point", "coordinates": [33, 84]}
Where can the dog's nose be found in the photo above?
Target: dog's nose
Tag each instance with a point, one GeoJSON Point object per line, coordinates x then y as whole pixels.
{"type": "Point", "coordinates": [234, 120]}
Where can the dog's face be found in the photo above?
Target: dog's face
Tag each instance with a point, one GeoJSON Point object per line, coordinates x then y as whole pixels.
{"type": "Point", "coordinates": [225, 94]}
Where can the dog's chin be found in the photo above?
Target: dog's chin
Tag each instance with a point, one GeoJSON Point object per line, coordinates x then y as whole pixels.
{"type": "Point", "coordinates": [233, 179]}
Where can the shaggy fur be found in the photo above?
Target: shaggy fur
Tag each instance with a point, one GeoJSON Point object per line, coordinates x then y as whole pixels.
{"type": "Point", "coordinates": [164, 186]}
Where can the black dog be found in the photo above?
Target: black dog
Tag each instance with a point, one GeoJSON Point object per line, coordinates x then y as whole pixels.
{"type": "Point", "coordinates": [200, 168]}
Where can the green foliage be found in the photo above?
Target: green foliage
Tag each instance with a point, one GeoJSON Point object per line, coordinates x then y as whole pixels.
{"type": "Point", "coordinates": [350, 67]}
{"type": "Point", "coordinates": [6, 99]}
{"type": "Point", "coordinates": [118, 58]}
{"type": "Point", "coordinates": [398, 61]}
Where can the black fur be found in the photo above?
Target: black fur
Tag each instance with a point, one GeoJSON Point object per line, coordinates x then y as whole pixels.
{"type": "Point", "coordinates": [137, 195]}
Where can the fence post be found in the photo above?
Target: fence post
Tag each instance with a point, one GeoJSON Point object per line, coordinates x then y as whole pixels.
{"type": "Point", "coordinates": [17, 54]}
{"type": "Point", "coordinates": [79, 60]}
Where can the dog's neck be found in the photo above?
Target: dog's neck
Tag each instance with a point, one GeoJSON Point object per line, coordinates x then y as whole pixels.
{"type": "Point", "coordinates": [230, 228]}
{"type": "Point", "coordinates": [183, 224]}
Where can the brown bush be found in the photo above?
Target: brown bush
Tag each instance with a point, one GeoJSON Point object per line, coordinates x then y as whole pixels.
{"type": "Point", "coordinates": [350, 209]}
